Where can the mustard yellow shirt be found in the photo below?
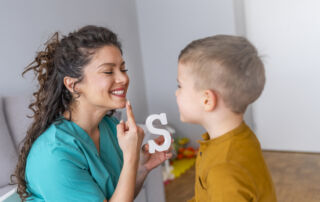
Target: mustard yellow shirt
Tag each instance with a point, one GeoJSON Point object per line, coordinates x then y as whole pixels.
{"type": "Point", "coordinates": [231, 168]}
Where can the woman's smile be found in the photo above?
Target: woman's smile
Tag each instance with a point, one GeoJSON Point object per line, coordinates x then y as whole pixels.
{"type": "Point", "coordinates": [119, 92]}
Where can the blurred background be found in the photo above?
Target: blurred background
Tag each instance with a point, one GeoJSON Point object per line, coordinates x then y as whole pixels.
{"type": "Point", "coordinates": [285, 32]}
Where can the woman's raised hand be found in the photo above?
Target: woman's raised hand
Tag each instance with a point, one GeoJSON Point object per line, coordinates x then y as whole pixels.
{"type": "Point", "coordinates": [130, 136]}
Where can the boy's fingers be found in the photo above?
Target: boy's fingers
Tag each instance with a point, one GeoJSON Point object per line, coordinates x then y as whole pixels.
{"type": "Point", "coordinates": [130, 116]}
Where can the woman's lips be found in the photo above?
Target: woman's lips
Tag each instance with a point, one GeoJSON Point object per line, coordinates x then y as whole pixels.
{"type": "Point", "coordinates": [120, 92]}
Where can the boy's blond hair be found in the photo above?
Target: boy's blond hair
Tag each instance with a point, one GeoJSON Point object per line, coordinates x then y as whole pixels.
{"type": "Point", "coordinates": [228, 65]}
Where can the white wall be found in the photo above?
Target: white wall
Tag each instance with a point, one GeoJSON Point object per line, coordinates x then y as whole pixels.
{"type": "Point", "coordinates": [26, 25]}
{"type": "Point", "coordinates": [287, 33]}
{"type": "Point", "coordinates": [166, 27]}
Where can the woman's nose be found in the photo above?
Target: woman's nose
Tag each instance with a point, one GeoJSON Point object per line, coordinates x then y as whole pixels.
{"type": "Point", "coordinates": [122, 77]}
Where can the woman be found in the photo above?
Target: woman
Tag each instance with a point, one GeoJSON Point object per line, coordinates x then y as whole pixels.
{"type": "Point", "coordinates": [74, 150]}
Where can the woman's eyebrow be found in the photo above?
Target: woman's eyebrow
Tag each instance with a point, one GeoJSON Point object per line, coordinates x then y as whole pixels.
{"type": "Point", "coordinates": [110, 64]}
{"type": "Point", "coordinates": [107, 64]}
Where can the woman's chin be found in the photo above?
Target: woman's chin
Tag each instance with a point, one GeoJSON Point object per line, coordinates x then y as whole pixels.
{"type": "Point", "coordinates": [116, 104]}
{"type": "Point", "coordinates": [122, 104]}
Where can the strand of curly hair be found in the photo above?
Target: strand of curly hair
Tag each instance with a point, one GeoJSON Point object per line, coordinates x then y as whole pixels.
{"type": "Point", "coordinates": [46, 108]}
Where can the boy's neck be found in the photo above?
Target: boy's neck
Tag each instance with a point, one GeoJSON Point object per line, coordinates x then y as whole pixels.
{"type": "Point", "coordinates": [217, 127]}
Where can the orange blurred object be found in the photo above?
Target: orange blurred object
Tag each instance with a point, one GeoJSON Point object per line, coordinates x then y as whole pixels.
{"type": "Point", "coordinates": [180, 156]}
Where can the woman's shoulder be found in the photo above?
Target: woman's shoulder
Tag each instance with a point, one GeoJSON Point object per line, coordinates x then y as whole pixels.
{"type": "Point", "coordinates": [59, 132]}
{"type": "Point", "coordinates": [55, 150]}
{"type": "Point", "coordinates": [59, 136]}
{"type": "Point", "coordinates": [57, 143]}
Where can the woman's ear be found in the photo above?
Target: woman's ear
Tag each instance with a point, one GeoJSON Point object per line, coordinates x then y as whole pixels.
{"type": "Point", "coordinates": [209, 100]}
{"type": "Point", "coordinates": [69, 83]}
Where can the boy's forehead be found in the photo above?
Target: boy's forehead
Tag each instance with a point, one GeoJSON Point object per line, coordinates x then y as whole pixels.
{"type": "Point", "coordinates": [184, 70]}
{"type": "Point", "coordinates": [185, 75]}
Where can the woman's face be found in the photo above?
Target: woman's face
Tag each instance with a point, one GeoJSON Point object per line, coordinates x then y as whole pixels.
{"type": "Point", "coordinates": [105, 81]}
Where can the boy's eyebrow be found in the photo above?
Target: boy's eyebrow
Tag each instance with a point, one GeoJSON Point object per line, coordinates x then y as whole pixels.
{"type": "Point", "coordinates": [178, 81]}
{"type": "Point", "coordinates": [111, 64]}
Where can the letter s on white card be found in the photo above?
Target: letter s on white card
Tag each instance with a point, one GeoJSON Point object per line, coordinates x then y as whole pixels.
{"type": "Point", "coordinates": [153, 146]}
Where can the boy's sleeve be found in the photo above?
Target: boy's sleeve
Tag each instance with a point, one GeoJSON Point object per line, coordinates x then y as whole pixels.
{"type": "Point", "coordinates": [228, 182]}
{"type": "Point", "coordinates": [63, 176]}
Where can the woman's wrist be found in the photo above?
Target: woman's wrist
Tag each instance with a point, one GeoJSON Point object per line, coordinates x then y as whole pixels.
{"type": "Point", "coordinates": [131, 160]}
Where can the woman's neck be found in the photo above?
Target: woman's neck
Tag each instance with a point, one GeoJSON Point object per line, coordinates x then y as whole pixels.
{"type": "Point", "coordinates": [86, 116]}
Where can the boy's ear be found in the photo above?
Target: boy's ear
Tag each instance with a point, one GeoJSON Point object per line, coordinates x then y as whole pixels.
{"type": "Point", "coordinates": [69, 83]}
{"type": "Point", "coordinates": [209, 100]}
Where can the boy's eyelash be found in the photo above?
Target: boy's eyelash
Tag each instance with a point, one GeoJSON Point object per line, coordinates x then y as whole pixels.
{"type": "Point", "coordinates": [179, 86]}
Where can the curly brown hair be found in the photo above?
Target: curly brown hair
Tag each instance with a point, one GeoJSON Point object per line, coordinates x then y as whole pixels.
{"type": "Point", "coordinates": [60, 58]}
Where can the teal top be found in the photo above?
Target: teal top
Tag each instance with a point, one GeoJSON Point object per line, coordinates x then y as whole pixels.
{"type": "Point", "coordinates": [64, 164]}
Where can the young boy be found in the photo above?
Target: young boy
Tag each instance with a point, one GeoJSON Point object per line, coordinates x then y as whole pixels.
{"type": "Point", "coordinates": [218, 78]}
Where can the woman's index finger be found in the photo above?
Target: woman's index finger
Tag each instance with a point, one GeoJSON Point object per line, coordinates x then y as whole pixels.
{"type": "Point", "coordinates": [130, 115]}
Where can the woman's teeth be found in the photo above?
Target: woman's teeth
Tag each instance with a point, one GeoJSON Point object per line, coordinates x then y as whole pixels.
{"type": "Point", "coordinates": [118, 92]}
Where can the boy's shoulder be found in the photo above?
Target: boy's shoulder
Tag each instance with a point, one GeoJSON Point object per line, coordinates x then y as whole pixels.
{"type": "Point", "coordinates": [236, 161]}
{"type": "Point", "coordinates": [236, 144]}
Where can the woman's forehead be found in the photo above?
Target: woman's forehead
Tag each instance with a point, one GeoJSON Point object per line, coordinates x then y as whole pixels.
{"type": "Point", "coordinates": [107, 56]}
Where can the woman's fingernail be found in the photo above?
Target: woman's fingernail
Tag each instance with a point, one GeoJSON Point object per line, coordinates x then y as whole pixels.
{"type": "Point", "coordinates": [128, 103]}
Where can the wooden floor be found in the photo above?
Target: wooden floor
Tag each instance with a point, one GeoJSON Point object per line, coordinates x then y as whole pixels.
{"type": "Point", "coordinates": [296, 177]}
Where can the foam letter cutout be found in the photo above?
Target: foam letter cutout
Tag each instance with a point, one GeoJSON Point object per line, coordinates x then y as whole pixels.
{"type": "Point", "coordinates": [167, 138]}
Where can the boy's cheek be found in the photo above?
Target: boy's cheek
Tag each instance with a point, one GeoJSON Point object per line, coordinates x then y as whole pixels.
{"type": "Point", "coordinates": [185, 119]}
{"type": "Point", "coordinates": [181, 118]}
{"type": "Point", "coordinates": [182, 112]}
{"type": "Point", "coordinates": [182, 109]}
